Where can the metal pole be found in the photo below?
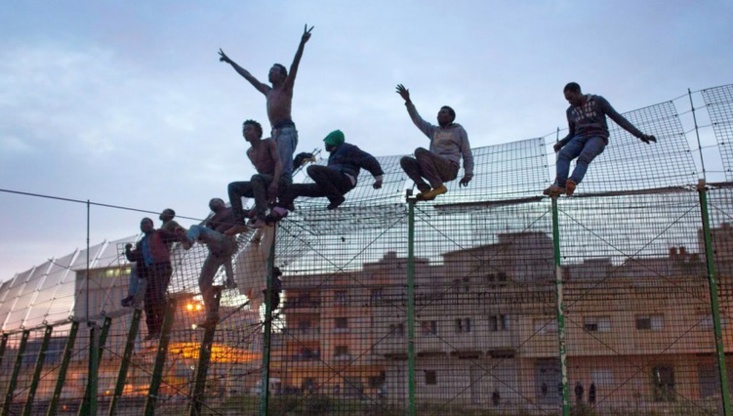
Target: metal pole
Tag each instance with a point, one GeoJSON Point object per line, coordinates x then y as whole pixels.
{"type": "Point", "coordinates": [714, 304]}
{"type": "Point", "coordinates": [159, 366]}
{"type": "Point", "coordinates": [411, 307]}
{"type": "Point", "coordinates": [37, 372]}
{"type": "Point", "coordinates": [16, 371]}
{"type": "Point", "coordinates": [560, 311]}
{"type": "Point", "coordinates": [91, 390]}
{"type": "Point", "coordinates": [93, 333]}
{"type": "Point", "coordinates": [266, 339]}
{"type": "Point", "coordinates": [61, 378]}
{"type": "Point", "coordinates": [126, 356]}
{"type": "Point", "coordinates": [697, 133]}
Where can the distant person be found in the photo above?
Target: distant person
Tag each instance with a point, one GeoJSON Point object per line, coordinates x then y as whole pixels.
{"type": "Point", "coordinates": [339, 176]}
{"type": "Point", "coordinates": [495, 398]}
{"type": "Point", "coordinates": [263, 186]}
{"type": "Point", "coordinates": [439, 164]}
{"type": "Point", "coordinates": [221, 249]}
{"type": "Point", "coordinates": [592, 394]}
{"type": "Point", "coordinates": [279, 99]}
{"type": "Point", "coordinates": [587, 137]}
{"type": "Point", "coordinates": [153, 260]}
{"type": "Point", "coordinates": [579, 392]}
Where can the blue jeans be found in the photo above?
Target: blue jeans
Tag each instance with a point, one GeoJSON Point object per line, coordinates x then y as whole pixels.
{"type": "Point", "coordinates": [287, 140]}
{"type": "Point", "coordinates": [134, 280]}
{"type": "Point", "coordinates": [585, 149]}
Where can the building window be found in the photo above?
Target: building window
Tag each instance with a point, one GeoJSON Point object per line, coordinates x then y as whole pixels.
{"type": "Point", "coordinates": [706, 321]}
{"type": "Point", "coordinates": [431, 378]}
{"type": "Point", "coordinates": [341, 324]}
{"type": "Point", "coordinates": [545, 326]}
{"type": "Point", "coordinates": [397, 330]}
{"type": "Point", "coordinates": [498, 322]}
{"type": "Point", "coordinates": [649, 322]}
{"type": "Point", "coordinates": [429, 327]}
{"type": "Point", "coordinates": [597, 323]}
{"type": "Point", "coordinates": [375, 297]}
{"type": "Point", "coordinates": [463, 325]}
{"type": "Point", "coordinates": [341, 352]}
{"type": "Point", "coordinates": [663, 384]}
{"type": "Point", "coordinates": [340, 298]}
{"type": "Point", "coordinates": [496, 280]}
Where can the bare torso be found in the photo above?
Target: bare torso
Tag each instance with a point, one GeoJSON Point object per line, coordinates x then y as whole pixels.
{"type": "Point", "coordinates": [279, 103]}
{"type": "Point", "coordinates": [260, 155]}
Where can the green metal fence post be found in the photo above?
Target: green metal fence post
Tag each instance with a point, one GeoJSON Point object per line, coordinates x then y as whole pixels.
{"type": "Point", "coordinates": [266, 337]}
{"type": "Point", "coordinates": [159, 366]}
{"type": "Point", "coordinates": [202, 369]}
{"type": "Point", "coordinates": [16, 371]}
{"type": "Point", "coordinates": [560, 311]}
{"type": "Point", "coordinates": [89, 404]}
{"type": "Point", "coordinates": [3, 344]}
{"type": "Point", "coordinates": [411, 307]}
{"type": "Point", "coordinates": [126, 356]}
{"type": "Point", "coordinates": [37, 372]}
{"type": "Point", "coordinates": [61, 378]}
{"type": "Point", "coordinates": [714, 304]}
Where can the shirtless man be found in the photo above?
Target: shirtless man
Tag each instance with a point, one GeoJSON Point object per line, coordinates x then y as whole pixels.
{"type": "Point", "coordinates": [263, 186]}
{"type": "Point", "coordinates": [279, 101]}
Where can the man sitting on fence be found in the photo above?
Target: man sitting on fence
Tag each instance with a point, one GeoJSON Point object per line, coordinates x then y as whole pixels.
{"type": "Point", "coordinates": [587, 137]}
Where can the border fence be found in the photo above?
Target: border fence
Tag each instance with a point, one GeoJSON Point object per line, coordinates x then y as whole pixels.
{"type": "Point", "coordinates": [490, 300]}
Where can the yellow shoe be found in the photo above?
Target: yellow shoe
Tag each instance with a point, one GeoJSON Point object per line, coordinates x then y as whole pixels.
{"type": "Point", "coordinates": [431, 194]}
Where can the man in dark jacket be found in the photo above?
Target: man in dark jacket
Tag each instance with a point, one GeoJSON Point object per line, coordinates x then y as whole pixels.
{"type": "Point", "coordinates": [339, 176]}
{"type": "Point", "coordinates": [154, 265]}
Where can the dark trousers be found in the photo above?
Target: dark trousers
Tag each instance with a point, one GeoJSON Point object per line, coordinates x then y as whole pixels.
{"type": "Point", "coordinates": [327, 183]}
{"type": "Point", "coordinates": [158, 276]}
{"type": "Point", "coordinates": [256, 188]}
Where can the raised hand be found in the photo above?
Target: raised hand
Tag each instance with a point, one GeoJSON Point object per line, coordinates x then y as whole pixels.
{"type": "Point", "coordinates": [223, 57]}
{"type": "Point", "coordinates": [403, 92]}
{"type": "Point", "coordinates": [306, 33]}
{"type": "Point", "coordinates": [648, 138]}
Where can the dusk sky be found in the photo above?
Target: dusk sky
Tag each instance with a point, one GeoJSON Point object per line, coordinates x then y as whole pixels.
{"type": "Point", "coordinates": [126, 103]}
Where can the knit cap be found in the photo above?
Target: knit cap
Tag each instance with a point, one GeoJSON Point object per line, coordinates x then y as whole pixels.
{"type": "Point", "coordinates": [335, 138]}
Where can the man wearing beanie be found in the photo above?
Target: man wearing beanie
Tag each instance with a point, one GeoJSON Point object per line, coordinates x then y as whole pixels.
{"type": "Point", "coordinates": [448, 143]}
{"type": "Point", "coordinates": [339, 176]}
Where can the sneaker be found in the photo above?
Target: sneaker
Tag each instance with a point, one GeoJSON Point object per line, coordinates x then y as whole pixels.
{"type": "Point", "coordinates": [431, 194]}
{"type": "Point", "coordinates": [423, 188]}
{"type": "Point", "coordinates": [126, 302]}
{"type": "Point", "coordinates": [237, 229]}
{"type": "Point", "coordinates": [570, 187]}
{"type": "Point", "coordinates": [255, 223]}
{"type": "Point", "coordinates": [336, 202]}
{"type": "Point", "coordinates": [553, 191]}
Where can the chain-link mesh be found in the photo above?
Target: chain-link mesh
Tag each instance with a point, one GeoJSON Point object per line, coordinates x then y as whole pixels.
{"type": "Point", "coordinates": [504, 293]}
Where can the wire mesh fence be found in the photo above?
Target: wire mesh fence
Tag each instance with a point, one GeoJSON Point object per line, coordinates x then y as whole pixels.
{"type": "Point", "coordinates": [490, 300]}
